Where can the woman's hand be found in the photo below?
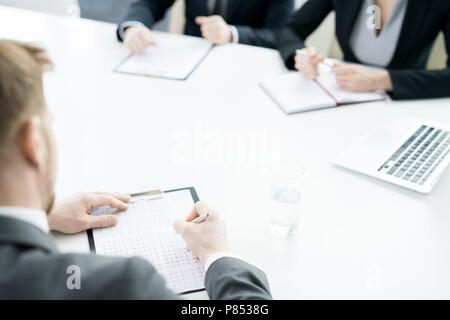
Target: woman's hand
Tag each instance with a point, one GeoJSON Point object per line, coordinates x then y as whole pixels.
{"type": "Point", "coordinates": [358, 78]}
{"type": "Point", "coordinates": [308, 64]}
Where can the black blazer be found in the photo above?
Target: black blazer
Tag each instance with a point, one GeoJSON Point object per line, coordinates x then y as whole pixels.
{"type": "Point", "coordinates": [257, 21]}
{"type": "Point", "coordinates": [423, 22]}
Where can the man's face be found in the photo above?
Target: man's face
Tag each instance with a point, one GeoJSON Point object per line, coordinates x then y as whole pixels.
{"type": "Point", "coordinates": [50, 170]}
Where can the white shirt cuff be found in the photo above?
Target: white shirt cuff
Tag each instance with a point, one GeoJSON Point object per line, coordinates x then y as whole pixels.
{"type": "Point", "coordinates": [216, 256]}
{"type": "Point", "coordinates": [235, 34]}
{"type": "Point", "coordinates": [127, 24]}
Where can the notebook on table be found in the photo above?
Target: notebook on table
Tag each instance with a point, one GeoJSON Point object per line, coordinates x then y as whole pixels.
{"type": "Point", "coordinates": [145, 230]}
{"type": "Point", "coordinates": [174, 57]}
{"type": "Point", "coordinates": [294, 93]}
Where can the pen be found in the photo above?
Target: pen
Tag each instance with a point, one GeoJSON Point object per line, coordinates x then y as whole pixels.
{"type": "Point", "coordinates": [302, 53]}
{"type": "Point", "coordinates": [201, 218]}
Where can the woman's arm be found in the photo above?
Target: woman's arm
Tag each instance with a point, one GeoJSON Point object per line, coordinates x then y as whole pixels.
{"type": "Point", "coordinates": [423, 84]}
{"type": "Point", "coordinates": [300, 26]}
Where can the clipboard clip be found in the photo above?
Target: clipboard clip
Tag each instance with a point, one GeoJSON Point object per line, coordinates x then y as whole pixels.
{"type": "Point", "coordinates": [146, 196]}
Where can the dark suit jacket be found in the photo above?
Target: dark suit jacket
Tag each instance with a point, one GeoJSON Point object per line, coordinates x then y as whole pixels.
{"type": "Point", "coordinates": [32, 268]}
{"type": "Point", "coordinates": [423, 22]}
{"type": "Point", "coordinates": [256, 20]}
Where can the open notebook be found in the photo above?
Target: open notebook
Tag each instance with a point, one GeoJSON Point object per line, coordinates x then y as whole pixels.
{"type": "Point", "coordinates": [145, 230]}
{"type": "Point", "coordinates": [294, 93]}
{"type": "Point", "coordinates": [174, 57]}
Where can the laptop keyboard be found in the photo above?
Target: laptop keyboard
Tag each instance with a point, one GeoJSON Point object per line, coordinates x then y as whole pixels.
{"type": "Point", "coordinates": [420, 156]}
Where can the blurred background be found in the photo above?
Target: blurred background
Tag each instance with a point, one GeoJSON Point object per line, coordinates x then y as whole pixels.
{"type": "Point", "coordinates": [114, 10]}
{"type": "Point", "coordinates": [102, 10]}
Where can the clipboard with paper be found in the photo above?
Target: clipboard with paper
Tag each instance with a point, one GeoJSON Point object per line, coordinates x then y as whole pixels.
{"type": "Point", "coordinates": [175, 57]}
{"type": "Point", "coordinates": [145, 230]}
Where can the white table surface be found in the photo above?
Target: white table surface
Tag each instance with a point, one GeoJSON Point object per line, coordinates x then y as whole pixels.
{"type": "Point", "coordinates": [359, 237]}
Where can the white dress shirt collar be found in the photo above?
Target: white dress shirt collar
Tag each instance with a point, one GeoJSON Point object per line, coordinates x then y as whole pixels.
{"type": "Point", "coordinates": [32, 216]}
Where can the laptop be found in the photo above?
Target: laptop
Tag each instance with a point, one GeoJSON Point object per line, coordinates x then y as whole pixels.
{"type": "Point", "coordinates": [410, 154]}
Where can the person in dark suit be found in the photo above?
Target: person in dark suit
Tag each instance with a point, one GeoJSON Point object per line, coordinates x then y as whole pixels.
{"type": "Point", "coordinates": [394, 35]}
{"type": "Point", "coordinates": [252, 22]}
{"type": "Point", "coordinates": [31, 267]}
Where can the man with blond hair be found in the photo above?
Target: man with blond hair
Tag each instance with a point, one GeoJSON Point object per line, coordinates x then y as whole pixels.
{"type": "Point", "coordinates": [31, 267]}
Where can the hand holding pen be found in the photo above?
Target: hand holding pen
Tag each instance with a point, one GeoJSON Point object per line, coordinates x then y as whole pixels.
{"type": "Point", "coordinates": [307, 62]}
{"type": "Point", "coordinates": [203, 231]}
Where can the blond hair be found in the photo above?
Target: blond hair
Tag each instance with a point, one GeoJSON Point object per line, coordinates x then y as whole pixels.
{"type": "Point", "coordinates": [21, 90]}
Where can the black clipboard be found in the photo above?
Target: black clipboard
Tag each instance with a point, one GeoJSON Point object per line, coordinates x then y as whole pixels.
{"type": "Point", "coordinates": [195, 198]}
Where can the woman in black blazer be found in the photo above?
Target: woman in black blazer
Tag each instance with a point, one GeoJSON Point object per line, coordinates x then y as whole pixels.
{"type": "Point", "coordinates": [404, 76]}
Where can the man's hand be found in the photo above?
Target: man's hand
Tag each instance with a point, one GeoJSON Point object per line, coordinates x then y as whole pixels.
{"type": "Point", "coordinates": [71, 215]}
{"type": "Point", "coordinates": [138, 38]}
{"type": "Point", "coordinates": [358, 78]}
{"type": "Point", "coordinates": [215, 29]}
{"type": "Point", "coordinates": [308, 65]}
{"type": "Point", "coordinates": [205, 238]}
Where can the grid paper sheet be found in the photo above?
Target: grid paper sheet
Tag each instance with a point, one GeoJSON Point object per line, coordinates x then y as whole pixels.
{"type": "Point", "coordinates": [145, 230]}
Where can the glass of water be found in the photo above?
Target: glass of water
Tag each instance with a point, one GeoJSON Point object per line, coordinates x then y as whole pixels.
{"type": "Point", "coordinates": [286, 188]}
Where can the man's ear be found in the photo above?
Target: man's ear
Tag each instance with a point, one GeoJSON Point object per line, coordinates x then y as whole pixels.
{"type": "Point", "coordinates": [32, 142]}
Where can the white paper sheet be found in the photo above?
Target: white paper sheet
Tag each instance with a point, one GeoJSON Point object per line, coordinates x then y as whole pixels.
{"type": "Point", "coordinates": [174, 57]}
{"type": "Point", "coordinates": [295, 93]}
{"type": "Point", "coordinates": [145, 230]}
{"type": "Point", "coordinates": [328, 81]}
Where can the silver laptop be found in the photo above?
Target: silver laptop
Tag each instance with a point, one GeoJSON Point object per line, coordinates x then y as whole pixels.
{"type": "Point", "coordinates": [409, 154]}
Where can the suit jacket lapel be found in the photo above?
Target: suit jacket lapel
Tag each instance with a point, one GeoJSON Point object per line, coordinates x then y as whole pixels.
{"type": "Point", "coordinates": [415, 14]}
{"type": "Point", "coordinates": [25, 234]}
{"type": "Point", "coordinates": [201, 7]}
{"type": "Point", "coordinates": [233, 7]}
{"type": "Point", "coordinates": [351, 13]}
{"type": "Point", "coordinates": [345, 24]}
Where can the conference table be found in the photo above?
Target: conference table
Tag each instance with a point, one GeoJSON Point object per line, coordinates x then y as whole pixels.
{"type": "Point", "coordinates": [359, 238]}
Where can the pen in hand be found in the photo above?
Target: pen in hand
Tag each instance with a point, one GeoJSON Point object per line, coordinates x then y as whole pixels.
{"type": "Point", "coordinates": [201, 218]}
{"type": "Point", "coordinates": [304, 54]}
